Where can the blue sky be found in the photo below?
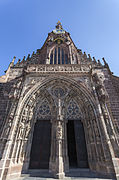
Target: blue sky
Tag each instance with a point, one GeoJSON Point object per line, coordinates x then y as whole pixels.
{"type": "Point", "coordinates": [92, 24]}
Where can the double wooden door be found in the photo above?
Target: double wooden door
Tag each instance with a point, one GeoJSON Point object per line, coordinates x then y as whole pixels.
{"type": "Point", "coordinates": [41, 145]}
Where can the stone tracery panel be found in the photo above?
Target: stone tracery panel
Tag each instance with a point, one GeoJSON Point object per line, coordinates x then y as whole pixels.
{"type": "Point", "coordinates": [43, 110]}
{"type": "Point", "coordinates": [59, 91]}
{"type": "Point", "coordinates": [73, 111]}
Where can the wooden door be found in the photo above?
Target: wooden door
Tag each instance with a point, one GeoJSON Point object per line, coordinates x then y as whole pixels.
{"type": "Point", "coordinates": [40, 150]}
{"type": "Point", "coordinates": [82, 158]}
{"type": "Point", "coordinates": [71, 144]}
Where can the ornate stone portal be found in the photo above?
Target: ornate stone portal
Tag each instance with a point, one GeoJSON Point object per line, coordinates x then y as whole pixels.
{"type": "Point", "coordinates": [59, 110]}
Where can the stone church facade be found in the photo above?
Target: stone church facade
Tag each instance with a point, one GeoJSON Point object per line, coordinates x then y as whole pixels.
{"type": "Point", "coordinates": [59, 109]}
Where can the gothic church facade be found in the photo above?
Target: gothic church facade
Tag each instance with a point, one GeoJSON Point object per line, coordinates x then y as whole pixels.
{"type": "Point", "coordinates": [59, 109]}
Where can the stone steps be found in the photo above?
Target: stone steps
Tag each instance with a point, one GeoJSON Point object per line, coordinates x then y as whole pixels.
{"type": "Point", "coordinates": [73, 174]}
{"type": "Point", "coordinates": [85, 173]}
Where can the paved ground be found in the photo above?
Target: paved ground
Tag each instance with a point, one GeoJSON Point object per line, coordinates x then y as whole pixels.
{"type": "Point", "coordinates": [80, 178]}
{"type": "Point", "coordinates": [74, 174]}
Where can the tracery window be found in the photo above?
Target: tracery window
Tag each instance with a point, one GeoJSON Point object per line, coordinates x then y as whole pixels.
{"type": "Point", "coordinates": [59, 56]}
{"type": "Point", "coordinates": [73, 111]}
{"type": "Point", "coordinates": [59, 92]}
{"type": "Point", "coordinates": [43, 110]}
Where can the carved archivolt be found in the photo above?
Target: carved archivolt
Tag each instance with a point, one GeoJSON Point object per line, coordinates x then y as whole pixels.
{"type": "Point", "coordinates": [41, 104]}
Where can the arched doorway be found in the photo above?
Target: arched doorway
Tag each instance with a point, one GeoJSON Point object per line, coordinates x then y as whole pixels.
{"type": "Point", "coordinates": [41, 140]}
{"type": "Point", "coordinates": [77, 150]}
{"type": "Point", "coordinates": [89, 120]}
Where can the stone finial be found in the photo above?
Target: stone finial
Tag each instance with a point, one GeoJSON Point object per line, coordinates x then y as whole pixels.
{"type": "Point", "coordinates": [105, 63]}
{"type": "Point", "coordinates": [85, 56]}
{"type": "Point", "coordinates": [23, 59]}
{"type": "Point", "coordinates": [28, 57]}
{"type": "Point", "coordinates": [94, 59]}
{"type": "Point", "coordinates": [13, 59]}
{"type": "Point", "coordinates": [19, 60]}
{"type": "Point", "coordinates": [58, 26]}
{"type": "Point", "coordinates": [89, 57]}
{"type": "Point", "coordinates": [10, 65]}
{"type": "Point", "coordinates": [99, 62]}
{"type": "Point", "coordinates": [58, 22]}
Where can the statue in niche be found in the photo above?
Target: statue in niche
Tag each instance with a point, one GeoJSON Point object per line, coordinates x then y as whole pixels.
{"type": "Point", "coordinates": [27, 131]}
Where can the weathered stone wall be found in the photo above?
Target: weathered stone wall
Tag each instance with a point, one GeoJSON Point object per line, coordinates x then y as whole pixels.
{"type": "Point", "coordinates": [112, 87]}
{"type": "Point", "coordinates": [115, 81]}
{"type": "Point", "coordinates": [5, 104]}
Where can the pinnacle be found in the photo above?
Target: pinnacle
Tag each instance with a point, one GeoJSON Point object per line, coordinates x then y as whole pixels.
{"type": "Point", "coordinates": [59, 25]}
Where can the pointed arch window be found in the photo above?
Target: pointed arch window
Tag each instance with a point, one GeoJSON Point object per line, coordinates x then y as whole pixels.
{"type": "Point", "coordinates": [59, 56]}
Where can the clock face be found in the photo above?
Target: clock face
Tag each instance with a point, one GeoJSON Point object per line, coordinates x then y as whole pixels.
{"type": "Point", "coordinates": [59, 31]}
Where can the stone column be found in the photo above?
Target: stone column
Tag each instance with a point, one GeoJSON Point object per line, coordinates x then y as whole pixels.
{"type": "Point", "coordinates": [58, 159]}
{"type": "Point", "coordinates": [59, 162]}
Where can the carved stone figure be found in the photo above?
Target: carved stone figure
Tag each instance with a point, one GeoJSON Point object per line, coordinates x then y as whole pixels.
{"type": "Point", "coordinates": [102, 94]}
